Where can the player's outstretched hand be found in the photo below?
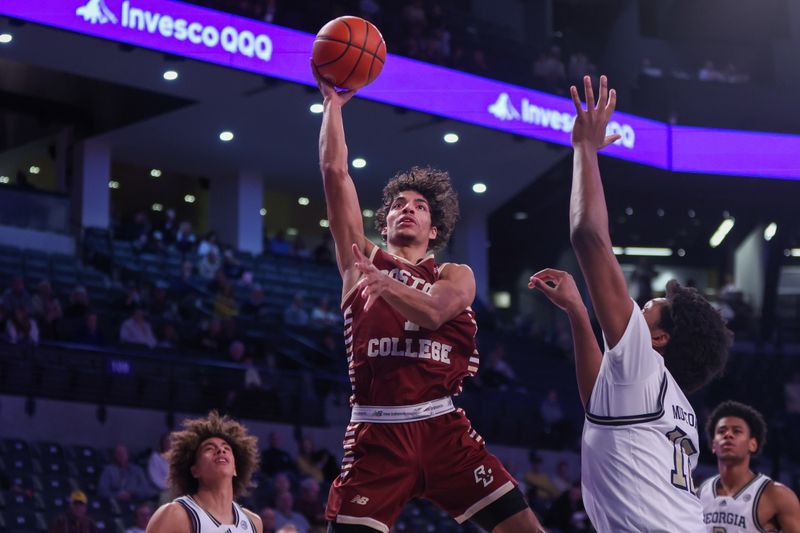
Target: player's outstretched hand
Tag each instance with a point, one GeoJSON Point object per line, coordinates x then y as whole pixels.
{"type": "Point", "coordinates": [564, 293]}
{"type": "Point", "coordinates": [374, 282]}
{"type": "Point", "coordinates": [589, 130]}
{"type": "Point", "coordinates": [327, 89]}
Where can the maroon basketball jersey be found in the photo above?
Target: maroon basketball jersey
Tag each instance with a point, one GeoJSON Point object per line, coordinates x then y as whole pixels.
{"type": "Point", "coordinates": [393, 361]}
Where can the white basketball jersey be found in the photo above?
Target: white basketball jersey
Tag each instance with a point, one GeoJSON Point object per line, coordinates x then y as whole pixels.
{"type": "Point", "coordinates": [639, 443]}
{"type": "Point", "coordinates": [732, 514]}
{"type": "Point", "coordinates": [203, 522]}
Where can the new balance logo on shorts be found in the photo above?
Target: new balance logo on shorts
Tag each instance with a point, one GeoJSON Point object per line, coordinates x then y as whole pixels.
{"type": "Point", "coordinates": [360, 500]}
{"type": "Point", "coordinates": [483, 475]}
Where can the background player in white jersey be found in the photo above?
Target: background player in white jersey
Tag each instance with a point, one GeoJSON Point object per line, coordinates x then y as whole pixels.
{"type": "Point", "coordinates": [639, 442]}
{"type": "Point", "coordinates": [210, 463]}
{"type": "Point", "coordinates": [739, 500]}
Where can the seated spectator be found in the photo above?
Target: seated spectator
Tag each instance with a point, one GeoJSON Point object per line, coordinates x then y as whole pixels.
{"type": "Point", "coordinates": [211, 336]}
{"type": "Point", "coordinates": [168, 228]}
{"type": "Point", "coordinates": [285, 513]}
{"type": "Point", "coordinates": [137, 330]}
{"type": "Point", "coordinates": [157, 466]}
{"type": "Point", "coordinates": [562, 480]}
{"type": "Point", "coordinates": [78, 303]}
{"type": "Point", "coordinates": [208, 265]}
{"type": "Point", "coordinates": [185, 239]}
{"type": "Point", "coordinates": [160, 304]}
{"type": "Point", "coordinates": [295, 314]}
{"type": "Point", "coordinates": [75, 519]}
{"type": "Point", "coordinates": [231, 266]}
{"type": "Point", "coordinates": [225, 305]}
{"type": "Point", "coordinates": [323, 252]}
{"type": "Point", "coordinates": [131, 299]}
{"type": "Point", "coordinates": [168, 338]}
{"type": "Point", "coordinates": [541, 489]}
{"type": "Point", "coordinates": [307, 462]}
{"type": "Point", "coordinates": [141, 517]}
{"type": "Point", "coordinates": [299, 248]}
{"type": "Point", "coordinates": [498, 372]}
{"type": "Point", "coordinates": [550, 409]}
{"type": "Point", "coordinates": [123, 480]}
{"type": "Point", "coordinates": [278, 245]}
{"type": "Point", "coordinates": [89, 331]}
{"type": "Point", "coordinates": [44, 303]}
{"type": "Point", "coordinates": [275, 459]}
{"type": "Point", "coordinates": [567, 512]}
{"type": "Point", "coordinates": [255, 306]}
{"type": "Point", "coordinates": [323, 317]}
{"type": "Point", "coordinates": [209, 244]}
{"type": "Point", "coordinates": [187, 281]}
{"type": "Point", "coordinates": [139, 230]}
{"type": "Point", "coordinates": [15, 296]}
{"type": "Point", "coordinates": [309, 503]}
{"type": "Point", "coordinates": [21, 328]}
{"type": "Point", "coordinates": [267, 515]}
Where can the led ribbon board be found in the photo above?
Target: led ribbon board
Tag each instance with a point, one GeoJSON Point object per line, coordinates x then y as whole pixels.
{"type": "Point", "coordinates": [232, 41]}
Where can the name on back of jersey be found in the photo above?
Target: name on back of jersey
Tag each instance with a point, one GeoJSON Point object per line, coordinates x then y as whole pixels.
{"type": "Point", "coordinates": [679, 413]}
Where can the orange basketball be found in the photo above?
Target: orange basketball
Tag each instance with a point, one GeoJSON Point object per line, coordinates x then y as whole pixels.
{"type": "Point", "coordinates": [349, 52]}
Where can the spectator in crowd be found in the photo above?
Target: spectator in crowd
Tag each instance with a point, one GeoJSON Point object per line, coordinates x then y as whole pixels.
{"type": "Point", "coordinates": [139, 230]}
{"type": "Point", "coordinates": [15, 296]}
{"type": "Point", "coordinates": [236, 351]}
{"type": "Point", "coordinates": [160, 304]}
{"type": "Point", "coordinates": [562, 480]}
{"type": "Point", "coordinates": [567, 512]}
{"type": "Point", "coordinates": [322, 317]}
{"type": "Point", "coordinates": [231, 265]}
{"type": "Point", "coordinates": [285, 513]}
{"type": "Point", "coordinates": [211, 336]}
{"type": "Point", "coordinates": [309, 503]}
{"type": "Point", "coordinates": [279, 245]}
{"type": "Point", "coordinates": [541, 489]}
{"type": "Point", "coordinates": [132, 299]}
{"type": "Point", "coordinates": [89, 332]}
{"type": "Point", "coordinates": [579, 66]}
{"type": "Point", "coordinates": [21, 328]}
{"type": "Point", "coordinates": [299, 248]}
{"type": "Point", "coordinates": [225, 305]}
{"type": "Point", "coordinates": [187, 280]}
{"type": "Point", "coordinates": [168, 228]}
{"type": "Point", "coordinates": [208, 265]}
{"type": "Point", "coordinates": [549, 71]}
{"type": "Point", "coordinates": [267, 515]}
{"type": "Point", "coordinates": [122, 480]}
{"type": "Point", "coordinates": [708, 72]}
{"type": "Point", "coordinates": [78, 303]}
{"type": "Point", "coordinates": [209, 244]}
{"type": "Point", "coordinates": [157, 465]}
{"type": "Point", "coordinates": [141, 517]}
{"type": "Point", "coordinates": [185, 239]}
{"type": "Point", "coordinates": [498, 372]}
{"type": "Point", "coordinates": [307, 463]}
{"type": "Point", "coordinates": [75, 519]}
{"type": "Point", "coordinates": [44, 304]}
{"type": "Point", "coordinates": [295, 314]}
{"type": "Point", "coordinates": [255, 306]}
{"type": "Point", "coordinates": [323, 253]}
{"type": "Point", "coordinates": [275, 459]}
{"type": "Point", "coordinates": [137, 330]}
{"type": "Point", "coordinates": [169, 338]}
{"type": "Point", "coordinates": [551, 410]}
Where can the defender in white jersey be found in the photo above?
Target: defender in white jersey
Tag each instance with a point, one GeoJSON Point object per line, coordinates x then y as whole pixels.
{"type": "Point", "coordinates": [210, 463]}
{"type": "Point", "coordinates": [739, 500]}
{"type": "Point", "coordinates": [640, 439]}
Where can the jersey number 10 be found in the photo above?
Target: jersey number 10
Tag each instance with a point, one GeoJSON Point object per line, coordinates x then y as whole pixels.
{"type": "Point", "coordinates": [681, 473]}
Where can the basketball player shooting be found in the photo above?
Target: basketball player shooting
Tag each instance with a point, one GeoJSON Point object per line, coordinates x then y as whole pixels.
{"type": "Point", "coordinates": [410, 340]}
{"type": "Point", "coordinates": [640, 440]}
{"type": "Point", "coordinates": [739, 500]}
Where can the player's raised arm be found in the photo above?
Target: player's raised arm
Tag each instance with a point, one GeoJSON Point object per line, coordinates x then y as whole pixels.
{"type": "Point", "coordinates": [344, 211]}
{"type": "Point", "coordinates": [588, 214]}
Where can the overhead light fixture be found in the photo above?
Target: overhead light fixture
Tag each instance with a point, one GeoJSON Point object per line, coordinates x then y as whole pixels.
{"type": "Point", "coordinates": [649, 251]}
{"type": "Point", "coordinates": [660, 212]}
{"type": "Point", "coordinates": [722, 231]}
{"type": "Point", "coordinates": [520, 215]}
{"type": "Point", "coordinates": [156, 173]}
{"type": "Point", "coordinates": [359, 162]}
{"type": "Point", "coordinates": [5, 179]}
{"type": "Point", "coordinates": [262, 212]}
{"type": "Point", "coordinates": [479, 188]}
{"type": "Point", "coordinates": [113, 184]}
{"type": "Point", "coordinates": [6, 38]}
{"type": "Point", "coordinates": [291, 232]}
{"type": "Point", "coordinates": [303, 200]}
{"type": "Point", "coordinates": [34, 169]}
{"type": "Point", "coordinates": [368, 213]}
{"type": "Point", "coordinates": [501, 299]}
{"type": "Point", "coordinates": [157, 207]}
{"type": "Point", "coordinates": [681, 252]}
{"type": "Point", "coordinates": [317, 108]}
{"type": "Point", "coordinates": [451, 138]}
{"type": "Point", "coordinates": [226, 136]}
{"type": "Point", "coordinates": [618, 250]}
{"type": "Point", "coordinates": [629, 211]}
{"type": "Point", "coordinates": [323, 223]}
{"type": "Point", "coordinates": [171, 75]}
{"type": "Point", "coordinates": [770, 231]}
{"type": "Point", "coordinates": [691, 213]}
{"type": "Point", "coordinates": [189, 198]}
{"type": "Point", "coordinates": [795, 252]}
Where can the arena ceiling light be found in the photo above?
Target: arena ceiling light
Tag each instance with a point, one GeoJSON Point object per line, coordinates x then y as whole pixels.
{"type": "Point", "coordinates": [681, 252]}
{"type": "Point", "coordinates": [226, 136]}
{"type": "Point", "coordinates": [451, 138]}
{"type": "Point", "coordinates": [770, 231]}
{"type": "Point", "coordinates": [303, 200]}
{"type": "Point", "coordinates": [359, 162]}
{"type": "Point", "coordinates": [520, 215]}
{"type": "Point", "coordinates": [113, 184]}
{"type": "Point", "coordinates": [171, 75]}
{"type": "Point", "coordinates": [479, 188]}
{"type": "Point", "coordinates": [792, 252]}
{"type": "Point", "coordinates": [157, 207]}
{"type": "Point", "coordinates": [368, 213]}
{"type": "Point", "coordinates": [316, 108]}
{"type": "Point", "coordinates": [5, 179]}
{"type": "Point", "coordinates": [262, 212]}
{"type": "Point", "coordinates": [648, 251]}
{"type": "Point", "coordinates": [189, 199]}
{"type": "Point", "coordinates": [6, 38]}
{"type": "Point", "coordinates": [722, 231]}
{"type": "Point", "coordinates": [323, 223]}
{"type": "Point", "coordinates": [291, 232]}
{"type": "Point", "coordinates": [156, 173]}
{"type": "Point", "coordinates": [34, 169]}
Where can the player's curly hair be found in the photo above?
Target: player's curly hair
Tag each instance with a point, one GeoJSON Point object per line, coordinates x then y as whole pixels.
{"type": "Point", "coordinates": [183, 452]}
{"type": "Point", "coordinates": [698, 339]}
{"type": "Point", "coordinates": [436, 187]}
{"type": "Point", "coordinates": [754, 420]}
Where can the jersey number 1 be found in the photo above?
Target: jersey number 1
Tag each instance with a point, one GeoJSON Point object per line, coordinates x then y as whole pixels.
{"type": "Point", "coordinates": [681, 474]}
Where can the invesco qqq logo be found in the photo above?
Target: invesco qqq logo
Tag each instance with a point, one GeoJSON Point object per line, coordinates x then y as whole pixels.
{"type": "Point", "coordinates": [229, 38]}
{"type": "Point", "coordinates": [503, 109]}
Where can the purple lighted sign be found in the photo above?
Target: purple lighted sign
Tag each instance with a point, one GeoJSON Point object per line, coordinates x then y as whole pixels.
{"type": "Point", "coordinates": [229, 40]}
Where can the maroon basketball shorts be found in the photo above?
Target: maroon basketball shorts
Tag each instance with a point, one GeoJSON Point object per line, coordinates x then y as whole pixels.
{"type": "Point", "coordinates": [387, 464]}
